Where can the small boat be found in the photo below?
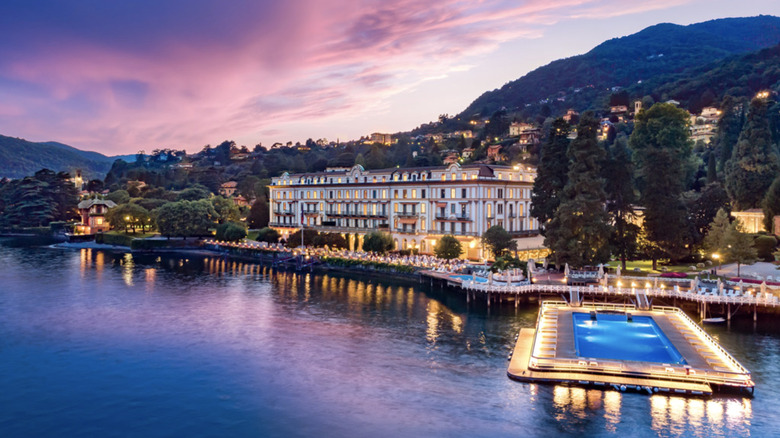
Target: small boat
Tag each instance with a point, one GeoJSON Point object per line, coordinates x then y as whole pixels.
{"type": "Point", "coordinates": [717, 320]}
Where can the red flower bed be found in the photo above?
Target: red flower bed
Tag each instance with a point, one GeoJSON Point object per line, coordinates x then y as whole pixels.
{"type": "Point", "coordinates": [674, 275]}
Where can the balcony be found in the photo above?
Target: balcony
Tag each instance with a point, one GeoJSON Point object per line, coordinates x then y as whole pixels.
{"type": "Point", "coordinates": [281, 225]}
{"type": "Point", "coordinates": [453, 218]}
{"type": "Point", "coordinates": [407, 214]}
{"type": "Point", "coordinates": [284, 212]}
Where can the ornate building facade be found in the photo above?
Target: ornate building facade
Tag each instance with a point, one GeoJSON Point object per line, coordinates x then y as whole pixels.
{"type": "Point", "coordinates": [417, 206]}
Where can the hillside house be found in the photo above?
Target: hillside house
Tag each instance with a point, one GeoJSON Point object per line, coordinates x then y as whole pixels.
{"type": "Point", "coordinates": [228, 189]}
{"type": "Point", "coordinates": [93, 213]}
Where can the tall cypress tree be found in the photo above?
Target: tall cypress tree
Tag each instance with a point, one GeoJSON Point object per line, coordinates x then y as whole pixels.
{"type": "Point", "coordinates": [579, 231]}
{"type": "Point", "coordinates": [662, 155]}
{"type": "Point", "coordinates": [551, 175]}
{"type": "Point", "coordinates": [619, 176]}
{"type": "Point", "coordinates": [729, 127]}
{"type": "Point", "coordinates": [754, 163]}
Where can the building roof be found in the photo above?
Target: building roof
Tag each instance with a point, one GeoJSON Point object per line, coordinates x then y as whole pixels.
{"type": "Point", "coordinates": [229, 185]}
{"type": "Point", "coordinates": [90, 202]}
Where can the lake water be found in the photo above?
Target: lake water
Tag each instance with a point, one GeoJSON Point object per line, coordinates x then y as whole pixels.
{"type": "Point", "coordinates": [105, 344]}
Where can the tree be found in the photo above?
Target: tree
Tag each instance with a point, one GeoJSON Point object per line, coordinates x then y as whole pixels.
{"type": "Point", "coordinates": [703, 207]}
{"type": "Point", "coordinates": [129, 216]}
{"type": "Point", "coordinates": [739, 246]}
{"type": "Point", "coordinates": [185, 218]}
{"type": "Point", "coordinates": [378, 242]}
{"type": "Point", "coordinates": [230, 231]}
{"type": "Point", "coordinates": [712, 172]}
{"type": "Point", "coordinates": [294, 239]}
{"type": "Point", "coordinates": [448, 247]}
{"type": "Point", "coordinates": [579, 231]}
{"type": "Point", "coordinates": [331, 240]}
{"type": "Point", "coordinates": [729, 127]}
{"type": "Point", "coordinates": [193, 193]}
{"type": "Point", "coordinates": [619, 187]}
{"type": "Point", "coordinates": [551, 175]}
{"type": "Point", "coordinates": [39, 199]}
{"type": "Point", "coordinates": [259, 213]}
{"type": "Point", "coordinates": [498, 241]}
{"type": "Point", "coordinates": [119, 197]}
{"type": "Point", "coordinates": [662, 156]}
{"type": "Point", "coordinates": [226, 210]}
{"type": "Point", "coordinates": [771, 205]}
{"type": "Point", "coordinates": [754, 163]}
{"type": "Point", "coordinates": [715, 240]}
{"type": "Point", "coordinates": [268, 235]}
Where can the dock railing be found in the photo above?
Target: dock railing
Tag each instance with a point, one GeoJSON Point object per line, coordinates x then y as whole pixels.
{"type": "Point", "coordinates": [675, 292]}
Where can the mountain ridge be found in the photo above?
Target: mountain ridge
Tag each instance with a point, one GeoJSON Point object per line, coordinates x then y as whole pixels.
{"type": "Point", "coordinates": [663, 48]}
{"type": "Point", "coordinates": [20, 157]}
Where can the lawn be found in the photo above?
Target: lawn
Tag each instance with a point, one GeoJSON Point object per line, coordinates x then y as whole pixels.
{"type": "Point", "coordinates": [252, 234]}
{"type": "Point", "coordinates": [137, 235]}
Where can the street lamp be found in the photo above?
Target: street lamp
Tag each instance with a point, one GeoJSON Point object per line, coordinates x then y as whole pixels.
{"type": "Point", "coordinates": [716, 256]}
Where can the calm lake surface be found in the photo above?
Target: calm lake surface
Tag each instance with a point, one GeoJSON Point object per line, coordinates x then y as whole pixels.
{"type": "Point", "coordinates": [104, 344]}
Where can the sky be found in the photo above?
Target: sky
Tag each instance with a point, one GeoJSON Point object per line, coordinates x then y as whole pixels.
{"type": "Point", "coordinates": [122, 76]}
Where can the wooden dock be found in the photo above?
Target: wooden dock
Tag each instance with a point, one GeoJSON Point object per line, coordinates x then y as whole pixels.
{"type": "Point", "coordinates": [520, 371]}
{"type": "Point", "coordinates": [548, 354]}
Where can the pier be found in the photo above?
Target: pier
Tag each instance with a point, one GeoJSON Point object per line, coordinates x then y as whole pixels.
{"type": "Point", "coordinates": [687, 359]}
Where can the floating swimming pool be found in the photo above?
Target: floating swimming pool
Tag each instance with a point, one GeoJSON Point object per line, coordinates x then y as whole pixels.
{"type": "Point", "coordinates": [612, 336]}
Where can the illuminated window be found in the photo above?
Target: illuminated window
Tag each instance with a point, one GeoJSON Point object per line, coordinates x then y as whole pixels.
{"type": "Point", "coordinates": [384, 193]}
{"type": "Point", "coordinates": [473, 176]}
{"type": "Point", "coordinates": [452, 193]}
{"type": "Point", "coordinates": [422, 207]}
{"type": "Point", "coordinates": [414, 193]}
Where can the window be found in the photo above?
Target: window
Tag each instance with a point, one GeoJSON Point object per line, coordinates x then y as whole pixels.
{"type": "Point", "coordinates": [443, 194]}
{"type": "Point", "coordinates": [374, 194]}
{"type": "Point", "coordinates": [422, 207]}
{"type": "Point", "coordinates": [384, 193]}
{"type": "Point", "coordinates": [414, 193]}
{"type": "Point", "coordinates": [395, 194]}
{"type": "Point", "coordinates": [463, 193]}
{"type": "Point", "coordinates": [404, 193]}
{"type": "Point", "coordinates": [489, 193]}
{"type": "Point", "coordinates": [452, 193]}
{"type": "Point", "coordinates": [452, 208]}
{"type": "Point", "coordinates": [422, 193]}
{"type": "Point", "coordinates": [500, 208]}
{"type": "Point", "coordinates": [489, 210]}
{"type": "Point", "coordinates": [500, 193]}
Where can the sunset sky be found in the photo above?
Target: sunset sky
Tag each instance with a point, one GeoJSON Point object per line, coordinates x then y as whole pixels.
{"type": "Point", "coordinates": [118, 77]}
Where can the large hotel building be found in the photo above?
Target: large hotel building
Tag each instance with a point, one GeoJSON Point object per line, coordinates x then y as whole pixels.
{"type": "Point", "coordinates": [416, 206]}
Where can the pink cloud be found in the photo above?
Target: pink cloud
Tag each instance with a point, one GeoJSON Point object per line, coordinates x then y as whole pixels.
{"type": "Point", "coordinates": [250, 71]}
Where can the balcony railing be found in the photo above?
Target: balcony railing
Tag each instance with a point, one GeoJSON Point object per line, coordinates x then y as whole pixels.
{"type": "Point", "coordinates": [407, 214]}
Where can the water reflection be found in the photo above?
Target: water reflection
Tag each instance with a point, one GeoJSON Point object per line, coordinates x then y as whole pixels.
{"type": "Point", "coordinates": [329, 348]}
{"type": "Point", "coordinates": [700, 417]}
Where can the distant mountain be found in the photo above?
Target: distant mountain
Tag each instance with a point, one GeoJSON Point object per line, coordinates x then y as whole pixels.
{"type": "Point", "coordinates": [19, 158]}
{"type": "Point", "coordinates": [581, 81]}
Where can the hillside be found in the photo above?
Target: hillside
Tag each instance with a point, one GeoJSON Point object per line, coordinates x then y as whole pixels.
{"type": "Point", "coordinates": [19, 158]}
{"type": "Point", "coordinates": [581, 81]}
{"type": "Point", "coordinates": [739, 76]}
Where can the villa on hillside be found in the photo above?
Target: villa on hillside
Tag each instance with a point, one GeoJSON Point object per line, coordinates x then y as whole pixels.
{"type": "Point", "coordinates": [93, 213]}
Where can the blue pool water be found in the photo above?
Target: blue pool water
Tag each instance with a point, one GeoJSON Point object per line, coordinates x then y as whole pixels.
{"type": "Point", "coordinates": [611, 336]}
{"type": "Point", "coordinates": [468, 278]}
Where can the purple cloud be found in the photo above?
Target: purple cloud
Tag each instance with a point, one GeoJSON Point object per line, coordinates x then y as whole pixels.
{"type": "Point", "coordinates": [124, 76]}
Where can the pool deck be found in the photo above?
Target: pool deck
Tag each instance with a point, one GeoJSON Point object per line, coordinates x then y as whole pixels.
{"type": "Point", "coordinates": [547, 354]}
